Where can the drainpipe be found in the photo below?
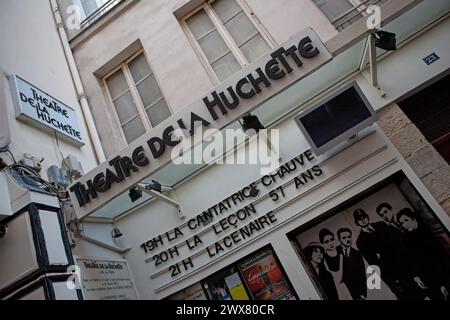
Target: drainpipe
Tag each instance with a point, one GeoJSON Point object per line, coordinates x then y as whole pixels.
{"type": "Point", "coordinates": [93, 134]}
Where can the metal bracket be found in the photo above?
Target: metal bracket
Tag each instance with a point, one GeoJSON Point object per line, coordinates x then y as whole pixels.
{"type": "Point", "coordinates": [370, 56]}
{"type": "Point", "coordinates": [77, 230]}
{"type": "Point", "coordinates": [162, 197]}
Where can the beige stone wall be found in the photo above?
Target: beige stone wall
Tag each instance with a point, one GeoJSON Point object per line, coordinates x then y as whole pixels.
{"type": "Point", "coordinates": [178, 69]}
{"type": "Point", "coordinates": [426, 162]}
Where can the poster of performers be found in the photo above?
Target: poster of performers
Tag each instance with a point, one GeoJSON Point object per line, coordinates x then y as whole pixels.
{"type": "Point", "coordinates": [381, 247]}
{"type": "Point", "coordinates": [264, 277]}
{"type": "Point", "coordinates": [226, 285]}
{"type": "Point", "coordinates": [192, 293]}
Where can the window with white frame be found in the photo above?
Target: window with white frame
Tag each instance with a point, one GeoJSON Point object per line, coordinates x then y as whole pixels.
{"type": "Point", "coordinates": [134, 92]}
{"type": "Point", "coordinates": [226, 37]}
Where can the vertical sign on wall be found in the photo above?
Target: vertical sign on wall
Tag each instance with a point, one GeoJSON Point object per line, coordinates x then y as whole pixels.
{"type": "Point", "coordinates": [42, 110]}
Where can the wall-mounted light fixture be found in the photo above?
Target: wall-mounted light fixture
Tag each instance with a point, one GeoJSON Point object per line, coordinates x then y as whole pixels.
{"type": "Point", "coordinates": [154, 189]}
{"type": "Point", "coordinates": [385, 40]}
{"type": "Point", "coordinates": [251, 122]}
{"type": "Point", "coordinates": [116, 233]}
{"type": "Point", "coordinates": [135, 194]}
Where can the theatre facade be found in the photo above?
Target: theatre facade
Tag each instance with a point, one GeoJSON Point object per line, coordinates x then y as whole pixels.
{"type": "Point", "coordinates": [355, 206]}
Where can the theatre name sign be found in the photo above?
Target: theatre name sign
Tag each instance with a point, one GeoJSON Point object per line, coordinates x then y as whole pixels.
{"type": "Point", "coordinates": [42, 110]}
{"type": "Point", "coordinates": [226, 103]}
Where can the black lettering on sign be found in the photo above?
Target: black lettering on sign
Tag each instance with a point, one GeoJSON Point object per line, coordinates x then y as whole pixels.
{"type": "Point", "coordinates": [194, 242]}
{"type": "Point", "coordinates": [174, 270]}
{"type": "Point", "coordinates": [304, 178]}
{"type": "Point", "coordinates": [152, 244]}
{"type": "Point", "coordinates": [184, 265]}
{"type": "Point", "coordinates": [277, 193]}
{"type": "Point", "coordinates": [165, 255]}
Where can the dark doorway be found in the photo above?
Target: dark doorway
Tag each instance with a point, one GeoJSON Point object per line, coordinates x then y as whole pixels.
{"type": "Point", "coordinates": [429, 110]}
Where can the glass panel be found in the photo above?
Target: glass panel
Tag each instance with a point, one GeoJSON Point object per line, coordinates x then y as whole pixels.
{"type": "Point", "coordinates": [226, 66]}
{"type": "Point", "coordinates": [255, 48]}
{"type": "Point", "coordinates": [200, 24]}
{"type": "Point", "coordinates": [213, 46]}
{"type": "Point", "coordinates": [117, 84]}
{"type": "Point", "coordinates": [158, 113]}
{"type": "Point", "coordinates": [125, 107]}
{"type": "Point", "coordinates": [133, 129]}
{"type": "Point", "coordinates": [333, 8]}
{"type": "Point", "coordinates": [149, 91]}
{"type": "Point", "coordinates": [139, 68]}
{"type": "Point", "coordinates": [89, 6]}
{"type": "Point", "coordinates": [225, 9]}
{"type": "Point", "coordinates": [241, 28]}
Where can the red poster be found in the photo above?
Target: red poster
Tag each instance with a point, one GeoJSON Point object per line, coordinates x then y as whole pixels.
{"type": "Point", "coordinates": [264, 278]}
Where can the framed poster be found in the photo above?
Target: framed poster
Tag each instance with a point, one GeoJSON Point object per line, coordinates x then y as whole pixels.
{"type": "Point", "coordinates": [194, 292]}
{"type": "Point", "coordinates": [264, 277]}
{"type": "Point", "coordinates": [225, 285]}
{"type": "Point", "coordinates": [386, 243]}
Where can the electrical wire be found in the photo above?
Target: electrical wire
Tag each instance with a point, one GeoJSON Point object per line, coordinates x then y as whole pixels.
{"type": "Point", "coordinates": [7, 150]}
{"type": "Point", "coordinates": [29, 172]}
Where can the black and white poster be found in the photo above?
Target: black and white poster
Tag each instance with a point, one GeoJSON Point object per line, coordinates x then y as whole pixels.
{"type": "Point", "coordinates": [381, 247]}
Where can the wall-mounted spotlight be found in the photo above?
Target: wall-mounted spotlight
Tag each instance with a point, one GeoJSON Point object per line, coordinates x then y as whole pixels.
{"type": "Point", "coordinates": [155, 189]}
{"type": "Point", "coordinates": [251, 122]}
{"type": "Point", "coordinates": [135, 194]}
{"type": "Point", "coordinates": [154, 185]}
{"type": "Point", "coordinates": [385, 40]}
{"type": "Point", "coordinates": [115, 233]}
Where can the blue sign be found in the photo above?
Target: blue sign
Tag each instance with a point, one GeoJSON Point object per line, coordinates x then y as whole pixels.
{"type": "Point", "coordinates": [431, 58]}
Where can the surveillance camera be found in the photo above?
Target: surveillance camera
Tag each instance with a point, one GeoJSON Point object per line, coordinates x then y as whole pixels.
{"type": "Point", "coordinates": [3, 230]}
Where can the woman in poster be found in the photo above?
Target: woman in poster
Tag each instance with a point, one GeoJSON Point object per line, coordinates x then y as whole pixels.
{"type": "Point", "coordinates": [334, 261]}
{"type": "Point", "coordinates": [315, 253]}
{"type": "Point", "coordinates": [332, 252]}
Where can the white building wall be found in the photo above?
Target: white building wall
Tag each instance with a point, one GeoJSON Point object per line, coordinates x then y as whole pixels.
{"type": "Point", "coordinates": [31, 48]}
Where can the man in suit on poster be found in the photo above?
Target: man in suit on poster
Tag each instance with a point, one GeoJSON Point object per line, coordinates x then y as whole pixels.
{"type": "Point", "coordinates": [354, 271]}
{"type": "Point", "coordinates": [380, 247]}
{"type": "Point", "coordinates": [432, 260]}
{"type": "Point", "coordinates": [400, 241]}
{"type": "Point", "coordinates": [385, 212]}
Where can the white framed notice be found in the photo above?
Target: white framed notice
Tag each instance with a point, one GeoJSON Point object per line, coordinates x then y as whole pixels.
{"type": "Point", "coordinates": [103, 279]}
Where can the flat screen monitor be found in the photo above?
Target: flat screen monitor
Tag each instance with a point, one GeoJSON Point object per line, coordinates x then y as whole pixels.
{"type": "Point", "coordinates": [336, 119]}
